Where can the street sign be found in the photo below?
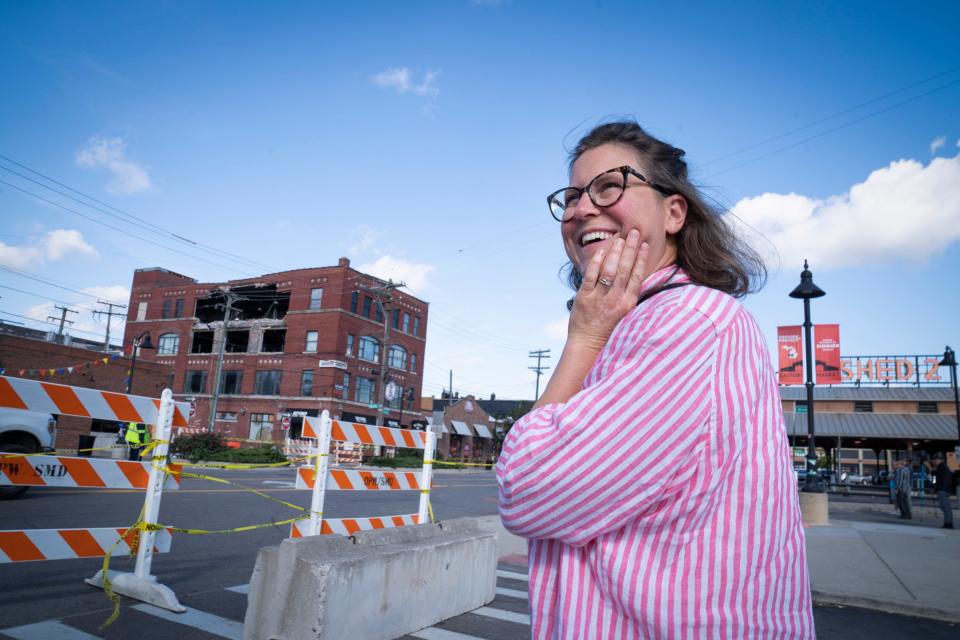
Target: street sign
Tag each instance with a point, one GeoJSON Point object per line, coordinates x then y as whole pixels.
{"type": "Point", "coordinates": [285, 422]}
{"type": "Point", "coordinates": [801, 408]}
{"type": "Point", "coordinates": [193, 410]}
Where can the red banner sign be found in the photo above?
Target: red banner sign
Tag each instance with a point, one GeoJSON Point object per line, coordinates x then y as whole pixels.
{"type": "Point", "coordinates": [826, 353]}
{"type": "Point", "coordinates": [790, 355]}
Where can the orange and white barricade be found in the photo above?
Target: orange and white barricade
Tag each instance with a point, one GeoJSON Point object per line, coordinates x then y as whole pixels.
{"type": "Point", "coordinates": [64, 471]}
{"type": "Point", "coordinates": [319, 478]}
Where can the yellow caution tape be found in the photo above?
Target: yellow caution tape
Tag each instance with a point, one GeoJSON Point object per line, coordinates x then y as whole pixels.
{"type": "Point", "coordinates": [465, 464]}
{"type": "Point", "coordinates": [152, 526]}
{"type": "Point", "coordinates": [58, 452]}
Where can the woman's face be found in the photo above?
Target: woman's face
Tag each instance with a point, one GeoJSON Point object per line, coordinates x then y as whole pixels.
{"type": "Point", "coordinates": [591, 228]}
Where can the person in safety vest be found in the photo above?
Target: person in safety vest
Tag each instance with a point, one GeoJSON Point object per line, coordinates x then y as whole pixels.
{"type": "Point", "coordinates": [136, 438]}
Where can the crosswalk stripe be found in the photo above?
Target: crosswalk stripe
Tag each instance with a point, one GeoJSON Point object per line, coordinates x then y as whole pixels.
{"type": "Point", "coordinates": [433, 633]}
{"type": "Point", "coordinates": [513, 593]}
{"type": "Point", "coordinates": [240, 588]}
{"type": "Point", "coordinates": [46, 630]}
{"type": "Point", "coordinates": [500, 614]}
{"type": "Point", "coordinates": [198, 619]}
{"type": "Point", "coordinates": [513, 575]}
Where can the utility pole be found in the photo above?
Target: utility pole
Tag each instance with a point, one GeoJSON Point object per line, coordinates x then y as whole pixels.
{"type": "Point", "coordinates": [384, 298]}
{"type": "Point", "coordinates": [228, 299]}
{"type": "Point", "coordinates": [539, 354]}
{"type": "Point", "coordinates": [109, 313]}
{"type": "Point", "coordinates": [63, 320]}
{"type": "Point", "coordinates": [450, 396]}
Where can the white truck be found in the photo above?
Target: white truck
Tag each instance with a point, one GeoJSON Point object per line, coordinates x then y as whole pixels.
{"type": "Point", "coordinates": [24, 432]}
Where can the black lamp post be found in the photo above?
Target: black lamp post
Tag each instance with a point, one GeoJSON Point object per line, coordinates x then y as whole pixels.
{"type": "Point", "coordinates": [806, 291]}
{"type": "Point", "coordinates": [140, 342]}
{"type": "Point", "coordinates": [950, 360]}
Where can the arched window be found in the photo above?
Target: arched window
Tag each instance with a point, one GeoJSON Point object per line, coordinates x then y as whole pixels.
{"type": "Point", "coordinates": [168, 344]}
{"type": "Point", "coordinates": [397, 357]}
{"type": "Point", "coordinates": [369, 349]}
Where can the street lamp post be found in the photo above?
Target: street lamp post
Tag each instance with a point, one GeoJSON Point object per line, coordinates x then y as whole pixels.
{"type": "Point", "coordinates": [950, 360]}
{"type": "Point", "coordinates": [140, 342]}
{"type": "Point", "coordinates": [806, 291]}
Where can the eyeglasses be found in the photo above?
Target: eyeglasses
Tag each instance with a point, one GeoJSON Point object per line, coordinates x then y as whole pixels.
{"type": "Point", "coordinates": [604, 191]}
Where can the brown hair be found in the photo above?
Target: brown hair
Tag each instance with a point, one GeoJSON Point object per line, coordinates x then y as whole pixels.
{"type": "Point", "coordinates": [708, 250]}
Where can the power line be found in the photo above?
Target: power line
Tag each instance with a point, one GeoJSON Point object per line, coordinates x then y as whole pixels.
{"type": "Point", "coordinates": [835, 129]}
{"type": "Point", "coordinates": [63, 320]}
{"type": "Point", "coordinates": [49, 283]}
{"type": "Point", "coordinates": [539, 355]}
{"type": "Point", "coordinates": [119, 230]}
{"type": "Point", "coordinates": [139, 222]}
{"type": "Point", "coordinates": [109, 313]}
{"type": "Point", "coordinates": [827, 118]}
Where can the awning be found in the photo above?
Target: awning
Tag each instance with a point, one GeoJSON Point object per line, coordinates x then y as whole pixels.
{"type": "Point", "coordinates": [461, 428]}
{"type": "Point", "coordinates": [482, 431]}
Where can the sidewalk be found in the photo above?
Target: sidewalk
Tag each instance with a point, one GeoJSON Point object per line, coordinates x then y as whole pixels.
{"type": "Point", "coordinates": [908, 569]}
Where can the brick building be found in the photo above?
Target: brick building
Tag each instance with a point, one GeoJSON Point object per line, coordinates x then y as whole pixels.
{"type": "Point", "coordinates": [297, 342]}
{"type": "Point", "coordinates": [26, 353]}
{"type": "Point", "coordinates": [464, 430]}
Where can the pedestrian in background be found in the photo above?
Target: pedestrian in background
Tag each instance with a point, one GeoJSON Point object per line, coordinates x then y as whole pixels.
{"type": "Point", "coordinates": [903, 478]}
{"type": "Point", "coordinates": [653, 477]}
{"type": "Point", "coordinates": [136, 438]}
{"type": "Point", "coordinates": [943, 483]}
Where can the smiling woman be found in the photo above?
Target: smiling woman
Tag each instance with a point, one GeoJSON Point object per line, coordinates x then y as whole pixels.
{"type": "Point", "coordinates": [653, 476]}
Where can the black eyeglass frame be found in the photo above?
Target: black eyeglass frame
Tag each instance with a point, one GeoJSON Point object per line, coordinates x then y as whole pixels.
{"type": "Point", "coordinates": [624, 170]}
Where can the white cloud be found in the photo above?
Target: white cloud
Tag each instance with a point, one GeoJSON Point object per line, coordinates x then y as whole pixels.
{"type": "Point", "coordinates": [60, 242]}
{"type": "Point", "coordinates": [110, 153]}
{"type": "Point", "coordinates": [414, 275]}
{"type": "Point", "coordinates": [54, 245]}
{"type": "Point", "coordinates": [85, 324]}
{"type": "Point", "coordinates": [401, 80]}
{"type": "Point", "coordinates": [936, 143]}
{"type": "Point", "coordinates": [366, 238]}
{"type": "Point", "coordinates": [905, 210]}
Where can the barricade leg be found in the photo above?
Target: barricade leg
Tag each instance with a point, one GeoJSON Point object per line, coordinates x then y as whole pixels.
{"type": "Point", "coordinates": [427, 476]}
{"type": "Point", "coordinates": [140, 584]}
{"type": "Point", "coordinates": [320, 465]}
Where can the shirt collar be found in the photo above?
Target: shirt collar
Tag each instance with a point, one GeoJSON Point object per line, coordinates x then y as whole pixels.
{"type": "Point", "coordinates": [666, 275]}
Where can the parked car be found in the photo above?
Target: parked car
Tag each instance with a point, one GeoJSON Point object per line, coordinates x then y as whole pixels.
{"type": "Point", "coordinates": [24, 432]}
{"type": "Point", "coordinates": [855, 478]}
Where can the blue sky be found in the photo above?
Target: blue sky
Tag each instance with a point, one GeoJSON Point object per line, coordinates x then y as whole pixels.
{"type": "Point", "coordinates": [420, 139]}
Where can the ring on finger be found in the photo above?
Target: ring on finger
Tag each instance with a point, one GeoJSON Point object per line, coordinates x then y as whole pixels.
{"type": "Point", "coordinates": [604, 281]}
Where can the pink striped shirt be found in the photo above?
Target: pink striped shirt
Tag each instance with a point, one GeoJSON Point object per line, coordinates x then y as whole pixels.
{"type": "Point", "coordinates": [660, 501]}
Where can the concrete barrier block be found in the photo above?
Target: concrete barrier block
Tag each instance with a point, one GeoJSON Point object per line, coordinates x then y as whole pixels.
{"type": "Point", "coordinates": [374, 585]}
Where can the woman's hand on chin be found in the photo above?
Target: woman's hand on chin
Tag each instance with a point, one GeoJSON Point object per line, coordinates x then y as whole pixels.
{"type": "Point", "coordinates": [610, 289]}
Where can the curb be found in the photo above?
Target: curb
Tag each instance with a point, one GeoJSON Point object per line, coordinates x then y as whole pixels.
{"type": "Point", "coordinates": [900, 608]}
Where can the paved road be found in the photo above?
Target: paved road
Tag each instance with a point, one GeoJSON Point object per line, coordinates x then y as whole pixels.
{"type": "Point", "coordinates": [47, 600]}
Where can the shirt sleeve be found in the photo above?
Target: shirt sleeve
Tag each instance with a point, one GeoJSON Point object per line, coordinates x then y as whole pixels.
{"type": "Point", "coordinates": [626, 442]}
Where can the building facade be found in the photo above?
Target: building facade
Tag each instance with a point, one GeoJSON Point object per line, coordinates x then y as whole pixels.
{"type": "Point", "coordinates": [293, 343]}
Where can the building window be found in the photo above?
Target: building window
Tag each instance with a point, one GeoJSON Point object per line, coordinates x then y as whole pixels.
{"type": "Point", "coordinates": [227, 416]}
{"type": "Point", "coordinates": [274, 340]}
{"type": "Point", "coordinates": [237, 341]}
{"type": "Point", "coordinates": [202, 342]}
{"type": "Point", "coordinates": [311, 342]}
{"type": "Point", "coordinates": [411, 396]}
{"type": "Point", "coordinates": [928, 407]}
{"type": "Point", "coordinates": [306, 383]}
{"type": "Point", "coordinates": [165, 312]}
{"type": "Point", "coordinates": [345, 393]}
{"type": "Point", "coordinates": [231, 382]}
{"type": "Point", "coordinates": [350, 339]}
{"type": "Point", "coordinates": [168, 344]}
{"type": "Point", "coordinates": [266, 383]}
{"type": "Point", "coordinates": [416, 326]}
{"type": "Point", "coordinates": [178, 310]}
{"type": "Point", "coordinates": [261, 426]}
{"type": "Point", "coordinates": [413, 363]}
{"type": "Point", "coordinates": [354, 297]}
{"type": "Point", "coordinates": [397, 357]}
{"type": "Point", "coordinates": [367, 306]}
{"type": "Point", "coordinates": [406, 322]}
{"type": "Point", "coordinates": [369, 349]}
{"type": "Point", "coordinates": [364, 390]}
{"type": "Point", "coordinates": [195, 382]}
{"type": "Point", "coordinates": [862, 406]}
{"type": "Point", "coordinates": [396, 318]}
{"type": "Point", "coordinates": [141, 311]}
{"type": "Point", "coordinates": [316, 299]}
